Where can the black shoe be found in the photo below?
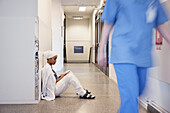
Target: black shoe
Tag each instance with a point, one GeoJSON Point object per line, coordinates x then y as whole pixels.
{"type": "Point", "coordinates": [87, 91]}
{"type": "Point", "coordinates": [87, 96]}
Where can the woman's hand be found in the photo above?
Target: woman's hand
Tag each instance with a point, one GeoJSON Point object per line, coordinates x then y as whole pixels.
{"type": "Point", "coordinates": [66, 72]}
{"type": "Point", "coordinates": [62, 75]}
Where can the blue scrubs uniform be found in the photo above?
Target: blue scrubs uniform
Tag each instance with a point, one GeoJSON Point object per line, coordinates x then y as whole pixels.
{"type": "Point", "coordinates": [131, 46]}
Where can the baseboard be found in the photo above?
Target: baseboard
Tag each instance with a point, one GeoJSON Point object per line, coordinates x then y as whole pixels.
{"type": "Point", "coordinates": [114, 80]}
{"type": "Point", "coordinates": [143, 104]}
{"type": "Point", "coordinates": [155, 108]}
{"type": "Point", "coordinates": [20, 102]}
{"type": "Point", "coordinates": [152, 109]}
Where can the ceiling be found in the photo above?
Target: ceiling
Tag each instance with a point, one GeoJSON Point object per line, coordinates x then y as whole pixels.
{"type": "Point", "coordinates": [71, 7]}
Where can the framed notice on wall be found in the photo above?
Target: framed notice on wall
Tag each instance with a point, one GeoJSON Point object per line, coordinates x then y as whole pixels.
{"type": "Point", "coordinates": [78, 49]}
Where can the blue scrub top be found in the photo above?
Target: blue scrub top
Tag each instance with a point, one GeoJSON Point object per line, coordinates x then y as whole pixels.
{"type": "Point", "coordinates": [132, 36]}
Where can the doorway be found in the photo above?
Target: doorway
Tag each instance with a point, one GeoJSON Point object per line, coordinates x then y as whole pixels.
{"type": "Point", "coordinates": [98, 29]}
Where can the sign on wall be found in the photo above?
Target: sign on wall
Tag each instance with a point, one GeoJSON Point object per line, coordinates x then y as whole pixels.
{"type": "Point", "coordinates": [78, 49]}
{"type": "Point", "coordinates": [158, 40]}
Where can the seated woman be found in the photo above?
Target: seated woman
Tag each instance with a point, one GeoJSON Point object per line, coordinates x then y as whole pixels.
{"type": "Point", "coordinates": [53, 85]}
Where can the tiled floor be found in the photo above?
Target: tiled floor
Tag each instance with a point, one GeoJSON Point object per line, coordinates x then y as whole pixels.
{"type": "Point", "coordinates": [106, 92]}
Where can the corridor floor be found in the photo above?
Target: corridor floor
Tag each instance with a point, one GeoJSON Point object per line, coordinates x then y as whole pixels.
{"type": "Point", "coordinates": [107, 96]}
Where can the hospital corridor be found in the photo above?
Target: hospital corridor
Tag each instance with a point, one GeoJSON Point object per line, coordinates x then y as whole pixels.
{"type": "Point", "coordinates": [84, 56]}
{"type": "Point", "coordinates": [107, 97]}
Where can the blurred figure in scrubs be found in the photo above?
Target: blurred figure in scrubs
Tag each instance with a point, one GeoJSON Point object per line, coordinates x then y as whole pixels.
{"type": "Point", "coordinates": [133, 22]}
{"type": "Point", "coordinates": [53, 85]}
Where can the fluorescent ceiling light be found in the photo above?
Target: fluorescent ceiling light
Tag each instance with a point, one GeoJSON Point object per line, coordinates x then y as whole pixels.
{"type": "Point", "coordinates": [78, 17]}
{"type": "Point", "coordinates": [82, 8]}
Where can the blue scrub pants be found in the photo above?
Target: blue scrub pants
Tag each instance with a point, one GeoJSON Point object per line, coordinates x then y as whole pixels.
{"type": "Point", "coordinates": [131, 82]}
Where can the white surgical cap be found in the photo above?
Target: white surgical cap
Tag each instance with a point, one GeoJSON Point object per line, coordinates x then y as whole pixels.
{"type": "Point", "coordinates": [49, 54]}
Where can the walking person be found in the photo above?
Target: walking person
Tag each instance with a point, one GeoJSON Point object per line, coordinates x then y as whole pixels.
{"type": "Point", "coordinates": [133, 22]}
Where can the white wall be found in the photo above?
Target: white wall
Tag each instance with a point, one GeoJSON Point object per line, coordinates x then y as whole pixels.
{"type": "Point", "coordinates": [51, 18]}
{"type": "Point", "coordinates": [17, 27]}
{"type": "Point", "coordinates": [77, 30]}
{"type": "Point", "coordinates": [17, 32]}
{"type": "Point", "coordinates": [57, 35]}
{"type": "Point", "coordinates": [78, 34]}
{"type": "Point", "coordinates": [45, 34]}
{"type": "Point", "coordinates": [18, 8]}
{"type": "Point", "coordinates": [93, 35]}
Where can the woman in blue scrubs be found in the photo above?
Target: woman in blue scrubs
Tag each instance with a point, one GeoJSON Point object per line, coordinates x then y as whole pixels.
{"type": "Point", "coordinates": [133, 22]}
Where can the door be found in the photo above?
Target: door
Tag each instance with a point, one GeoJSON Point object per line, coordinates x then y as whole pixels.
{"type": "Point", "coordinates": [98, 29]}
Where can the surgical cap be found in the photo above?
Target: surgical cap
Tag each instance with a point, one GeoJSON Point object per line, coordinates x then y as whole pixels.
{"type": "Point", "coordinates": [49, 54]}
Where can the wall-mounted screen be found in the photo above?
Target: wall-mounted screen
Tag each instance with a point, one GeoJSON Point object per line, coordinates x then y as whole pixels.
{"type": "Point", "coordinates": [78, 49]}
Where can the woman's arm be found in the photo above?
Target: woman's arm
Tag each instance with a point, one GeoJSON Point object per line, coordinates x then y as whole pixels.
{"type": "Point", "coordinates": [61, 76]}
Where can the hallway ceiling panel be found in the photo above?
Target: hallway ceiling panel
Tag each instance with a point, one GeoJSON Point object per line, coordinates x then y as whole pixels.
{"type": "Point", "coordinates": [80, 2]}
{"type": "Point", "coordinates": [73, 11]}
{"type": "Point", "coordinates": [71, 7]}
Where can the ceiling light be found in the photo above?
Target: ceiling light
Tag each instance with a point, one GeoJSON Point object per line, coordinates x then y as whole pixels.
{"type": "Point", "coordinates": [78, 17]}
{"type": "Point", "coordinates": [82, 8]}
